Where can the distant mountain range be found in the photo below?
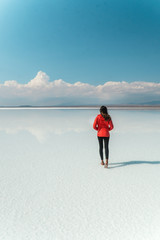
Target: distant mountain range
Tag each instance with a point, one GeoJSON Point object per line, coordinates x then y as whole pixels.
{"type": "Point", "coordinates": [152, 103]}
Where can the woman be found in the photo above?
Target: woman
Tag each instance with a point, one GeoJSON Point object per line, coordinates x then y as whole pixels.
{"type": "Point", "coordinates": [103, 124]}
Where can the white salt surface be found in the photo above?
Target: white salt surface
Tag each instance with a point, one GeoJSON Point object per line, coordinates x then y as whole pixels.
{"type": "Point", "coordinates": [52, 185]}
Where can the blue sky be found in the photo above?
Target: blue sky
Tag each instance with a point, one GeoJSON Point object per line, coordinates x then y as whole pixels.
{"type": "Point", "coordinates": [88, 41]}
{"type": "Point", "coordinates": [91, 41]}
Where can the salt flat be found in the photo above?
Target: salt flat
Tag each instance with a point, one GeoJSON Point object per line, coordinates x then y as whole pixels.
{"type": "Point", "coordinates": [52, 185]}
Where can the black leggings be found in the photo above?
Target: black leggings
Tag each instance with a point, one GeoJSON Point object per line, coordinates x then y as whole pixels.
{"type": "Point", "coordinates": [106, 141]}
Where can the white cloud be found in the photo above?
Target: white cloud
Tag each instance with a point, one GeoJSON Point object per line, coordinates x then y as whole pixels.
{"type": "Point", "coordinates": [41, 80]}
{"type": "Point", "coordinates": [41, 91]}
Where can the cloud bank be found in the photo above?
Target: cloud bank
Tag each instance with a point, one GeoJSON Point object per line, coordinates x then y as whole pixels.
{"type": "Point", "coordinates": [41, 91]}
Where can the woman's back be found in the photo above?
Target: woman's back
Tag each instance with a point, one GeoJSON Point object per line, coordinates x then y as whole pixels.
{"type": "Point", "coordinates": [102, 126]}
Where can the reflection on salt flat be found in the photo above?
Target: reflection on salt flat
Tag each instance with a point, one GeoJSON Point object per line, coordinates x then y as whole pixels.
{"type": "Point", "coordinates": [42, 123]}
{"type": "Point", "coordinates": [137, 121]}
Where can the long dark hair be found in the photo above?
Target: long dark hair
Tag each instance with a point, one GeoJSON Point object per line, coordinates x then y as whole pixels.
{"type": "Point", "coordinates": [103, 109]}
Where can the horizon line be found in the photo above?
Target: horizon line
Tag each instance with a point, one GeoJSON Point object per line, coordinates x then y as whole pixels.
{"type": "Point", "coordinates": [82, 107]}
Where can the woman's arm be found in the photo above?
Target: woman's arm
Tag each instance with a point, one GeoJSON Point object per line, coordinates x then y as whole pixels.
{"type": "Point", "coordinates": [95, 124]}
{"type": "Point", "coordinates": [111, 126]}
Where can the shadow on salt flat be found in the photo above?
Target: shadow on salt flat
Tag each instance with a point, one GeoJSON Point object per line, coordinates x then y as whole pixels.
{"type": "Point", "coordinates": [123, 164]}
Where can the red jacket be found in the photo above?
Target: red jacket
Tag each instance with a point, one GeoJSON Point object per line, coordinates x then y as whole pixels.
{"type": "Point", "coordinates": [102, 126]}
